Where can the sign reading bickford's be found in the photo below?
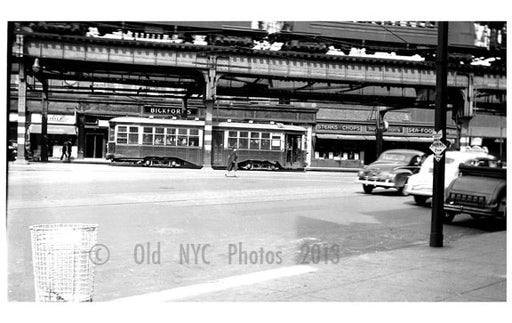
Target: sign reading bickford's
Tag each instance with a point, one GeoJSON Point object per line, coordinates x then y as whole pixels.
{"type": "Point", "coordinates": [168, 111]}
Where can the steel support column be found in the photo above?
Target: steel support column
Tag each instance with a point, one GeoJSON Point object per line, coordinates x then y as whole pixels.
{"type": "Point", "coordinates": [22, 116]}
{"type": "Point", "coordinates": [211, 79]}
{"type": "Point", "coordinates": [81, 136]}
{"type": "Point", "coordinates": [44, 123]}
{"type": "Point", "coordinates": [436, 233]}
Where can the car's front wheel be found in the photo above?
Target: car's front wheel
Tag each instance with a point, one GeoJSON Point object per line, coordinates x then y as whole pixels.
{"type": "Point", "coordinates": [368, 188]}
{"type": "Point", "coordinates": [420, 199]}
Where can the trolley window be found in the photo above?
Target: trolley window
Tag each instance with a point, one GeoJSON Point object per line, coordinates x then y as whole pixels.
{"type": "Point", "coordinates": [112, 133]}
{"type": "Point", "coordinates": [193, 139]}
{"type": "Point", "coordinates": [265, 141]}
{"type": "Point", "coordinates": [133, 135]}
{"type": "Point", "coordinates": [232, 139]}
{"type": "Point", "coordinates": [276, 141]}
{"type": "Point", "coordinates": [170, 137]}
{"type": "Point", "coordinates": [147, 136]}
{"type": "Point", "coordinates": [255, 140]}
{"type": "Point", "coordinates": [122, 135]}
{"type": "Point", "coordinates": [159, 136]}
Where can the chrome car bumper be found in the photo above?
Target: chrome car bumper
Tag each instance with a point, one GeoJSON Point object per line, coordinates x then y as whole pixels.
{"type": "Point", "coordinates": [471, 210]}
{"type": "Point", "coordinates": [376, 183]}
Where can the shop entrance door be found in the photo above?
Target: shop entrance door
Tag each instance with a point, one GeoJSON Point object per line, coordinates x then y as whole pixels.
{"type": "Point", "coordinates": [94, 145]}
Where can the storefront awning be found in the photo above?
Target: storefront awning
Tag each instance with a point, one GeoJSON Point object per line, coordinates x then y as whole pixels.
{"type": "Point", "coordinates": [54, 129]}
{"type": "Point", "coordinates": [343, 137]}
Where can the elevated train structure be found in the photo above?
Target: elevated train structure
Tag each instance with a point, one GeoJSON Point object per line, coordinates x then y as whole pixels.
{"type": "Point", "coordinates": [399, 40]}
{"type": "Point", "coordinates": [231, 61]}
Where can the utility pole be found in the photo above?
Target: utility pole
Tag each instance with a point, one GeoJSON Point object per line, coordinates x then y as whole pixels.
{"type": "Point", "coordinates": [436, 232]}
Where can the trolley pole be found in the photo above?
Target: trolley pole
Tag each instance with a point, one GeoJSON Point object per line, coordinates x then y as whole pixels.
{"type": "Point", "coordinates": [436, 233]}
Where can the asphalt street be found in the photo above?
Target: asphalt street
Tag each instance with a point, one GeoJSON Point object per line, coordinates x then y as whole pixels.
{"type": "Point", "coordinates": [171, 228]}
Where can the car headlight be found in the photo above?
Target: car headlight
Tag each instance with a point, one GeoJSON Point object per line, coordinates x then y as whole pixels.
{"type": "Point", "coordinates": [360, 173]}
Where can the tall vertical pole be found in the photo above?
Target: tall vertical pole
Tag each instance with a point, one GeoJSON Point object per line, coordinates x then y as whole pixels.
{"type": "Point", "coordinates": [44, 123]}
{"type": "Point", "coordinates": [436, 232]}
{"type": "Point", "coordinates": [22, 114]}
{"type": "Point", "coordinates": [211, 78]}
{"type": "Point", "coordinates": [379, 134]}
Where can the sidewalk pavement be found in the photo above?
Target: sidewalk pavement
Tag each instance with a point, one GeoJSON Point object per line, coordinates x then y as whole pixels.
{"type": "Point", "coordinates": [470, 269]}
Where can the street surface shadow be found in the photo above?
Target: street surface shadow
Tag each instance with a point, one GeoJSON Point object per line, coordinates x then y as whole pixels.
{"type": "Point", "coordinates": [320, 241]}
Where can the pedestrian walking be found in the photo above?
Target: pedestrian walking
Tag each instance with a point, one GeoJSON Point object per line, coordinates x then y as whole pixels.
{"type": "Point", "coordinates": [232, 163]}
{"type": "Point", "coordinates": [66, 151]}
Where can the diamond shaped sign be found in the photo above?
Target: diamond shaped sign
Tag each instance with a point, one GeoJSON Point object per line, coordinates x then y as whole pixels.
{"type": "Point", "coordinates": [437, 147]}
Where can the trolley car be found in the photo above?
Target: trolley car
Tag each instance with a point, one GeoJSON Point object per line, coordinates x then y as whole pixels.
{"type": "Point", "coordinates": [177, 143]}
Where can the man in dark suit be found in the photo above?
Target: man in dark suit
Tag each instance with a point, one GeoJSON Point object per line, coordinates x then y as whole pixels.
{"type": "Point", "coordinates": [232, 162]}
{"type": "Point", "coordinates": [66, 150]}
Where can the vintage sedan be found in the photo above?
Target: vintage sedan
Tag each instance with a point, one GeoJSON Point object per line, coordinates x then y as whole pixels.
{"type": "Point", "coordinates": [390, 170]}
{"type": "Point", "coordinates": [420, 185]}
{"type": "Point", "coordinates": [478, 191]}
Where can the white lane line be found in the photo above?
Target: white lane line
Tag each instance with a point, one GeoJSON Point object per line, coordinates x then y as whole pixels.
{"type": "Point", "coordinates": [219, 285]}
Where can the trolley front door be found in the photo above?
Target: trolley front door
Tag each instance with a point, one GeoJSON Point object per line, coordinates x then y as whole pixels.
{"type": "Point", "coordinates": [293, 148]}
{"type": "Point", "coordinates": [218, 157]}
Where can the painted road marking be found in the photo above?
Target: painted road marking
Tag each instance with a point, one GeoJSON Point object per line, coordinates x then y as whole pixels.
{"type": "Point", "coordinates": [219, 285]}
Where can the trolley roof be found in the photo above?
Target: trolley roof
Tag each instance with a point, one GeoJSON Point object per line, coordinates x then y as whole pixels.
{"type": "Point", "coordinates": [154, 121]}
{"type": "Point", "coordinates": [233, 125]}
{"type": "Point", "coordinates": [264, 126]}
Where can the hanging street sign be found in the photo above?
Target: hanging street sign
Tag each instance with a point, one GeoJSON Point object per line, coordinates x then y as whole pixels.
{"type": "Point", "coordinates": [437, 135]}
{"type": "Point", "coordinates": [438, 148]}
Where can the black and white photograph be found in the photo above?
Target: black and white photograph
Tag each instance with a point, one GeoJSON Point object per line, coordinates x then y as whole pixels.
{"type": "Point", "coordinates": [244, 161]}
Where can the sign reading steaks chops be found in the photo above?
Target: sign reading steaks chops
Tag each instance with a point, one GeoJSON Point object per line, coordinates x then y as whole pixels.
{"type": "Point", "coordinates": [163, 111]}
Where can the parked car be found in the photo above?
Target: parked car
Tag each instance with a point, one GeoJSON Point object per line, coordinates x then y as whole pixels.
{"type": "Point", "coordinates": [420, 184]}
{"type": "Point", "coordinates": [478, 191]}
{"type": "Point", "coordinates": [390, 170]}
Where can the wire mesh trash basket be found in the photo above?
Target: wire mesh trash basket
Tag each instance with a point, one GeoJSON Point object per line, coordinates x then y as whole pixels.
{"type": "Point", "coordinates": [63, 270]}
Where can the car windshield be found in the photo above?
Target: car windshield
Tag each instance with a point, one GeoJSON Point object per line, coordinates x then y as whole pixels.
{"type": "Point", "coordinates": [393, 157]}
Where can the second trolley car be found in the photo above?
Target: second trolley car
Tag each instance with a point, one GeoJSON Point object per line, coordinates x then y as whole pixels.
{"type": "Point", "coordinates": [177, 143]}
